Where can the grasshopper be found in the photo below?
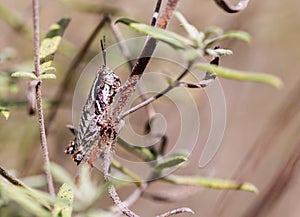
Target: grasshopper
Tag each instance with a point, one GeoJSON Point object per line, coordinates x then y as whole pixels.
{"type": "Point", "coordinates": [95, 125]}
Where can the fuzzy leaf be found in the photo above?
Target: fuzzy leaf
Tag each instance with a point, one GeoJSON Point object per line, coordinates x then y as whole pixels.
{"type": "Point", "coordinates": [211, 183]}
{"type": "Point", "coordinates": [47, 76]}
{"type": "Point", "coordinates": [241, 35]}
{"type": "Point", "coordinates": [63, 205]}
{"type": "Point", "coordinates": [240, 75]}
{"type": "Point", "coordinates": [36, 181]}
{"type": "Point", "coordinates": [218, 52]}
{"type": "Point", "coordinates": [171, 38]}
{"type": "Point", "coordinates": [51, 41]}
{"type": "Point", "coordinates": [172, 162]}
{"type": "Point", "coordinates": [51, 68]}
{"type": "Point", "coordinates": [191, 30]}
{"type": "Point", "coordinates": [24, 75]}
{"type": "Point", "coordinates": [213, 30]}
{"type": "Point", "coordinates": [126, 171]}
{"type": "Point", "coordinates": [60, 174]}
{"type": "Point", "coordinates": [25, 198]}
{"type": "Point", "coordinates": [141, 152]}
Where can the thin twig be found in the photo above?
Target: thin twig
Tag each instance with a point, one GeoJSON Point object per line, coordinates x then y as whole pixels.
{"type": "Point", "coordinates": [36, 36]}
{"type": "Point", "coordinates": [143, 60]}
{"type": "Point", "coordinates": [13, 180]}
{"type": "Point", "coordinates": [209, 77]}
{"type": "Point", "coordinates": [126, 93]}
{"type": "Point", "coordinates": [10, 178]}
{"type": "Point", "coordinates": [131, 199]}
{"type": "Point", "coordinates": [149, 100]}
{"type": "Point", "coordinates": [158, 95]}
{"type": "Point", "coordinates": [115, 197]}
{"type": "Point", "coordinates": [70, 75]}
{"type": "Point", "coordinates": [177, 211]}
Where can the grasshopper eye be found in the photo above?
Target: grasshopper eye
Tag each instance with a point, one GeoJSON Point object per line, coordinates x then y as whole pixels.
{"type": "Point", "coordinates": [77, 157]}
{"type": "Point", "coordinates": [70, 148]}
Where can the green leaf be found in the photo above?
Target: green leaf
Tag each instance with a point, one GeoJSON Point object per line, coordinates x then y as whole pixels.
{"type": "Point", "coordinates": [88, 191]}
{"type": "Point", "coordinates": [242, 76]}
{"type": "Point", "coordinates": [213, 30]}
{"type": "Point", "coordinates": [4, 112]}
{"type": "Point", "coordinates": [43, 71]}
{"type": "Point", "coordinates": [211, 183]}
{"type": "Point", "coordinates": [36, 181]}
{"type": "Point", "coordinates": [241, 35]}
{"type": "Point", "coordinates": [141, 152]}
{"type": "Point", "coordinates": [47, 76]}
{"type": "Point", "coordinates": [63, 205]}
{"type": "Point", "coordinates": [172, 162]}
{"type": "Point", "coordinates": [24, 75]}
{"type": "Point", "coordinates": [60, 174]}
{"type": "Point", "coordinates": [218, 52]}
{"type": "Point", "coordinates": [51, 41]}
{"type": "Point", "coordinates": [191, 30]}
{"type": "Point", "coordinates": [126, 171]}
{"type": "Point", "coordinates": [171, 38]}
{"type": "Point", "coordinates": [28, 199]}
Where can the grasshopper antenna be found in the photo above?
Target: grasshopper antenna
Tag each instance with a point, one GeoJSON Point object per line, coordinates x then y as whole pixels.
{"type": "Point", "coordinates": [103, 48]}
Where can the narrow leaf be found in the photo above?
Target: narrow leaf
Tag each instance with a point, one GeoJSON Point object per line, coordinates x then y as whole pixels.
{"type": "Point", "coordinates": [191, 30]}
{"type": "Point", "coordinates": [63, 205]}
{"type": "Point", "coordinates": [24, 198]}
{"type": "Point", "coordinates": [241, 35]}
{"type": "Point", "coordinates": [218, 52]}
{"type": "Point", "coordinates": [171, 38]}
{"type": "Point", "coordinates": [43, 71]}
{"type": "Point", "coordinates": [126, 171]}
{"type": "Point", "coordinates": [172, 162]}
{"type": "Point", "coordinates": [36, 181]}
{"type": "Point", "coordinates": [24, 75]}
{"type": "Point", "coordinates": [60, 174]}
{"type": "Point", "coordinates": [242, 76]}
{"type": "Point", "coordinates": [212, 30]}
{"type": "Point", "coordinates": [50, 43]}
{"type": "Point", "coordinates": [47, 76]}
{"type": "Point", "coordinates": [211, 183]}
{"type": "Point", "coordinates": [141, 152]}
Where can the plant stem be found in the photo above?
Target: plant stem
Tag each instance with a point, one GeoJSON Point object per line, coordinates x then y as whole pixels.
{"type": "Point", "coordinates": [10, 178]}
{"type": "Point", "coordinates": [126, 93]}
{"type": "Point", "coordinates": [158, 95]}
{"type": "Point", "coordinates": [36, 37]}
{"type": "Point", "coordinates": [143, 60]}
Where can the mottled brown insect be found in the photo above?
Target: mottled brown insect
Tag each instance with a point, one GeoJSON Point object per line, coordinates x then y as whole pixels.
{"type": "Point", "coordinates": [94, 121]}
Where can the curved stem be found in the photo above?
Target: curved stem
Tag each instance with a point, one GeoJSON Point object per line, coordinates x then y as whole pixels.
{"type": "Point", "coordinates": [36, 35]}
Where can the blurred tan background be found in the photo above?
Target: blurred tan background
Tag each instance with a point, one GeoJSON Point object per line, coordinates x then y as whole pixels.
{"type": "Point", "coordinates": [263, 123]}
